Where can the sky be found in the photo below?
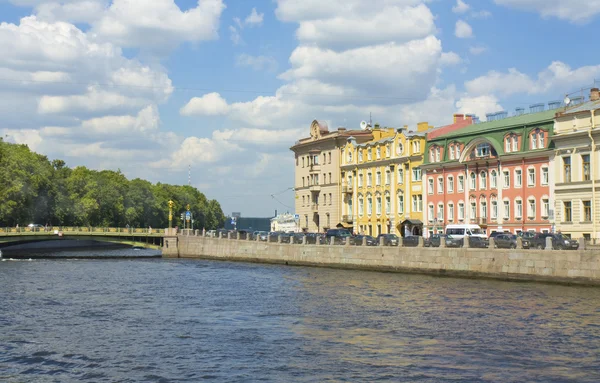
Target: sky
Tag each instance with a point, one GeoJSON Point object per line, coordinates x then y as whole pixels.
{"type": "Point", "coordinates": [225, 87]}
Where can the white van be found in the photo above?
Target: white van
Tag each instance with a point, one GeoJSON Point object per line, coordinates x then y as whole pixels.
{"type": "Point", "coordinates": [464, 229]}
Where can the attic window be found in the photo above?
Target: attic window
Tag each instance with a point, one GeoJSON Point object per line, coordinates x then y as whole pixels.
{"type": "Point", "coordinates": [482, 150]}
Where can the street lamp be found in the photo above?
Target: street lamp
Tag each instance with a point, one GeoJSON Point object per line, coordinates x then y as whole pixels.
{"type": "Point", "coordinates": [170, 214]}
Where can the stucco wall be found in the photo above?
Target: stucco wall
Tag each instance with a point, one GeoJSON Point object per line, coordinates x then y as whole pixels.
{"type": "Point", "coordinates": [578, 267]}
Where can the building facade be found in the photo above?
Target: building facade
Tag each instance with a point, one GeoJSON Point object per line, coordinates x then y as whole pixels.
{"type": "Point", "coordinates": [381, 182]}
{"type": "Point", "coordinates": [317, 176]}
{"type": "Point", "coordinates": [495, 174]}
{"type": "Point", "coordinates": [576, 169]}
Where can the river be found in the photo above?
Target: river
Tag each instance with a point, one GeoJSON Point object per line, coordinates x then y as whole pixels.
{"type": "Point", "coordinates": [154, 320]}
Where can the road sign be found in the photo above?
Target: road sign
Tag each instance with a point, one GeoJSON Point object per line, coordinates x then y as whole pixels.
{"type": "Point", "coordinates": [188, 215]}
{"type": "Point", "coordinates": [296, 216]}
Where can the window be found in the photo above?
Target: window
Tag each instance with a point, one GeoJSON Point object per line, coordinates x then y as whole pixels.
{"type": "Point", "coordinates": [544, 176]}
{"type": "Point", "coordinates": [329, 157]}
{"type": "Point", "coordinates": [542, 144]}
{"type": "Point", "coordinates": [400, 203]}
{"type": "Point", "coordinates": [400, 148]}
{"type": "Point", "coordinates": [378, 198]}
{"type": "Point", "coordinates": [416, 146]}
{"type": "Point", "coordinates": [303, 182]}
{"type": "Point", "coordinates": [324, 199]}
{"type": "Point", "coordinates": [416, 174]}
{"type": "Point", "coordinates": [518, 178]}
{"type": "Point", "coordinates": [302, 200]}
{"type": "Point", "coordinates": [493, 179]}
{"type": "Point", "coordinates": [566, 169]}
{"type": "Point", "coordinates": [430, 212]}
{"type": "Point", "coordinates": [568, 217]}
{"type": "Point", "coordinates": [545, 207]}
{"type": "Point", "coordinates": [432, 155]}
{"type": "Point", "coordinates": [531, 208]}
{"type": "Point", "coordinates": [530, 177]}
{"type": "Point", "coordinates": [494, 210]}
{"type": "Point", "coordinates": [349, 210]}
{"type": "Point", "coordinates": [378, 153]}
{"type": "Point", "coordinates": [506, 182]}
{"type": "Point", "coordinates": [369, 205]}
{"type": "Point", "coordinates": [388, 204]}
{"type": "Point", "coordinates": [378, 178]}
{"type": "Point", "coordinates": [316, 159]}
{"type": "Point", "coordinates": [349, 156]}
{"type": "Point", "coordinates": [361, 205]}
{"type": "Point", "coordinates": [316, 180]}
{"type": "Point", "coordinates": [440, 212]}
{"type": "Point", "coordinates": [360, 180]}
{"type": "Point", "coordinates": [324, 178]}
{"type": "Point", "coordinates": [473, 210]}
{"type": "Point", "coordinates": [506, 209]}
{"type": "Point", "coordinates": [369, 154]}
{"type": "Point", "coordinates": [483, 209]}
{"type": "Point", "coordinates": [450, 184]}
{"type": "Point", "coordinates": [450, 212]}
{"type": "Point", "coordinates": [387, 150]}
{"type": "Point", "coordinates": [440, 185]}
{"type": "Point", "coordinates": [587, 211]}
{"type": "Point", "coordinates": [400, 175]}
{"type": "Point", "coordinates": [473, 181]}
{"type": "Point", "coordinates": [302, 161]}
{"type": "Point", "coordinates": [483, 180]}
{"type": "Point", "coordinates": [369, 179]}
{"type": "Point", "coordinates": [482, 150]}
{"type": "Point", "coordinates": [330, 180]}
{"type": "Point", "coordinates": [360, 155]}
{"type": "Point", "coordinates": [457, 148]}
{"type": "Point", "coordinates": [461, 210]}
{"type": "Point", "coordinates": [507, 145]}
{"type": "Point", "coordinates": [417, 203]}
{"type": "Point", "coordinates": [330, 198]}
{"type": "Point", "coordinates": [515, 143]}
{"type": "Point", "coordinates": [324, 158]}
{"type": "Point", "coordinates": [438, 152]}
{"type": "Point", "coordinates": [518, 208]}
{"type": "Point", "coordinates": [451, 149]}
{"type": "Point", "coordinates": [585, 160]}
{"type": "Point", "coordinates": [534, 138]}
{"type": "Point", "coordinates": [461, 183]}
{"type": "Point", "coordinates": [388, 177]}
{"type": "Point", "coordinates": [430, 185]}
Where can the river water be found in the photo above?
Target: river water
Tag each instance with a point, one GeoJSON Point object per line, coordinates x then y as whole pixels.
{"type": "Point", "coordinates": [154, 320]}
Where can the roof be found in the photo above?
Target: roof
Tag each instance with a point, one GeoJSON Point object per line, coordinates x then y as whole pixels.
{"type": "Point", "coordinates": [585, 107]}
{"type": "Point", "coordinates": [524, 119]}
{"type": "Point", "coordinates": [414, 222]}
{"type": "Point", "coordinates": [441, 130]}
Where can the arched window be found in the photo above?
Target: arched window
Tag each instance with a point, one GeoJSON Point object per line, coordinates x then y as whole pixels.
{"type": "Point", "coordinates": [473, 181]}
{"type": "Point", "coordinates": [388, 203]}
{"type": "Point", "coordinates": [369, 204]}
{"type": "Point", "coordinates": [493, 179]}
{"type": "Point", "coordinates": [483, 180]}
{"type": "Point", "coordinates": [361, 205]}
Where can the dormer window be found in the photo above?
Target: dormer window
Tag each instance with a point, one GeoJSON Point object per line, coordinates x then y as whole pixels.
{"type": "Point", "coordinates": [349, 156]}
{"type": "Point", "coordinates": [482, 150]}
{"type": "Point", "coordinates": [378, 153]}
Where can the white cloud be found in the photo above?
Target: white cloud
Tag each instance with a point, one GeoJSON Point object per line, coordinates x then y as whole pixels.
{"type": "Point", "coordinates": [234, 35]}
{"type": "Point", "coordinates": [198, 150]}
{"type": "Point", "coordinates": [257, 62]}
{"type": "Point", "coordinates": [478, 105]}
{"type": "Point", "coordinates": [460, 7]}
{"type": "Point", "coordinates": [557, 77]}
{"type": "Point", "coordinates": [210, 104]}
{"type": "Point", "coordinates": [254, 18]}
{"type": "Point", "coordinates": [476, 50]}
{"type": "Point", "coordinates": [463, 30]}
{"type": "Point", "coordinates": [257, 136]}
{"type": "Point", "coordinates": [576, 11]}
{"type": "Point", "coordinates": [450, 58]}
{"type": "Point", "coordinates": [483, 14]}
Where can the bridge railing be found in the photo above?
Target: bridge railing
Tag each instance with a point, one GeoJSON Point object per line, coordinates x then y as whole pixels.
{"type": "Point", "coordinates": [80, 229]}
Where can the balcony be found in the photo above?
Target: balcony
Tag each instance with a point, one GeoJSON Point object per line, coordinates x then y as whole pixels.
{"type": "Point", "coordinates": [347, 218]}
{"type": "Point", "coordinates": [315, 188]}
{"type": "Point", "coordinates": [481, 221]}
{"type": "Point", "coordinates": [314, 168]}
{"type": "Point", "coordinates": [347, 189]}
{"type": "Point", "coordinates": [314, 207]}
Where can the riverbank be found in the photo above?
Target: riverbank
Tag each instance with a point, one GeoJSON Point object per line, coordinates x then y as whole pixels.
{"type": "Point", "coordinates": [554, 266]}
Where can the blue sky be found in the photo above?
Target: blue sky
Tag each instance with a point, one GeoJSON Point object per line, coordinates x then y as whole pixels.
{"type": "Point", "coordinates": [150, 87]}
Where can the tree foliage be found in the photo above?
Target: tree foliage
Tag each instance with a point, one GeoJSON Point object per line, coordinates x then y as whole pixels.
{"type": "Point", "coordinates": [35, 190]}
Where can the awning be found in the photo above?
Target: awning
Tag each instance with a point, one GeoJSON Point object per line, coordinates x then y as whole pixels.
{"type": "Point", "coordinates": [413, 222]}
{"type": "Point", "coordinates": [344, 225]}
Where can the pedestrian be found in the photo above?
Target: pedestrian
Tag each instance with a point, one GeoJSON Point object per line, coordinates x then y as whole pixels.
{"type": "Point", "coordinates": [149, 229]}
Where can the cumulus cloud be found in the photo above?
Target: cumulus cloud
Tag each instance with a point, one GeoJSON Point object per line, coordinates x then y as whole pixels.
{"type": "Point", "coordinates": [460, 7]}
{"type": "Point", "coordinates": [257, 62]}
{"type": "Point", "coordinates": [254, 18]}
{"type": "Point", "coordinates": [462, 30]}
{"type": "Point", "coordinates": [210, 104]}
{"type": "Point", "coordinates": [450, 58]}
{"type": "Point", "coordinates": [575, 11]}
{"type": "Point", "coordinates": [476, 50]}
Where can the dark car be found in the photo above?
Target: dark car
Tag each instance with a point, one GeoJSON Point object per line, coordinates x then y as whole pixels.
{"type": "Point", "coordinates": [339, 236]}
{"type": "Point", "coordinates": [453, 242]}
{"type": "Point", "coordinates": [509, 241]}
{"type": "Point", "coordinates": [297, 237]}
{"type": "Point", "coordinates": [527, 235]}
{"type": "Point", "coordinates": [494, 234]}
{"type": "Point", "coordinates": [388, 239]}
{"type": "Point", "coordinates": [475, 242]}
{"type": "Point", "coordinates": [559, 241]}
{"type": "Point", "coordinates": [411, 241]}
{"type": "Point", "coordinates": [314, 238]}
{"type": "Point", "coordinates": [434, 240]}
{"type": "Point", "coordinates": [221, 233]}
{"type": "Point", "coordinates": [358, 240]}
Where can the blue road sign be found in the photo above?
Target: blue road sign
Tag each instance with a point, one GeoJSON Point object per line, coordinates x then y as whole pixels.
{"type": "Point", "coordinates": [188, 216]}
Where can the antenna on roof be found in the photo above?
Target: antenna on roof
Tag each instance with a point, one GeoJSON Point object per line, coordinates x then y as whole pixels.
{"type": "Point", "coordinates": [370, 119]}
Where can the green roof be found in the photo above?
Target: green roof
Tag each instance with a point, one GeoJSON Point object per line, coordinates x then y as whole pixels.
{"type": "Point", "coordinates": [505, 123]}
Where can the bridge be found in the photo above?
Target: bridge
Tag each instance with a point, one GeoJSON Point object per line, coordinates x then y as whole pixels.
{"type": "Point", "coordinates": [146, 237]}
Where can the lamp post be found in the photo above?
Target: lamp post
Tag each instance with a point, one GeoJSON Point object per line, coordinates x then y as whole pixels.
{"type": "Point", "coordinates": [170, 214]}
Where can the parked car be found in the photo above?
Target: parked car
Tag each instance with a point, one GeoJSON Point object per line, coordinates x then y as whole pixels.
{"type": "Point", "coordinates": [262, 235]}
{"type": "Point", "coordinates": [494, 234]}
{"type": "Point", "coordinates": [559, 241]}
{"type": "Point", "coordinates": [434, 240]}
{"type": "Point", "coordinates": [297, 237]}
{"type": "Point", "coordinates": [452, 241]}
{"type": "Point", "coordinates": [211, 233]}
{"type": "Point", "coordinates": [340, 236]}
{"type": "Point", "coordinates": [35, 227]}
{"type": "Point", "coordinates": [244, 233]}
{"type": "Point", "coordinates": [358, 240]}
{"type": "Point", "coordinates": [509, 241]}
{"type": "Point", "coordinates": [527, 235]}
{"type": "Point", "coordinates": [475, 242]}
{"type": "Point", "coordinates": [314, 238]}
{"type": "Point", "coordinates": [388, 239]}
{"type": "Point", "coordinates": [411, 241]}
{"type": "Point", "coordinates": [221, 232]}
{"type": "Point", "coordinates": [464, 229]}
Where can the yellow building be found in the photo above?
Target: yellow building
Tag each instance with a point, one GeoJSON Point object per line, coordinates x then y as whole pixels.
{"type": "Point", "coordinates": [382, 191]}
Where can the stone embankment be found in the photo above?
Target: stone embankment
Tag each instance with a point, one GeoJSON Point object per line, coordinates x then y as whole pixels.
{"type": "Point", "coordinates": [555, 266]}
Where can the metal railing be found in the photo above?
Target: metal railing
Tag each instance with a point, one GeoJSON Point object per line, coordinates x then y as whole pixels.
{"type": "Point", "coordinates": [90, 230]}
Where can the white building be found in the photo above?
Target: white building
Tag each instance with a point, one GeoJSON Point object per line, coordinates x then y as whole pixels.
{"type": "Point", "coordinates": [286, 223]}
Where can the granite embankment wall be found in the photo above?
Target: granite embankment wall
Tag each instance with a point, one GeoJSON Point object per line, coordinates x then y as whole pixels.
{"type": "Point", "coordinates": [571, 267]}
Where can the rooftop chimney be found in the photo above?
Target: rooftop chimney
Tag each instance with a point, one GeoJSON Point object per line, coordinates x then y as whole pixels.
{"type": "Point", "coordinates": [458, 117]}
{"type": "Point", "coordinates": [594, 94]}
{"type": "Point", "coordinates": [341, 129]}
